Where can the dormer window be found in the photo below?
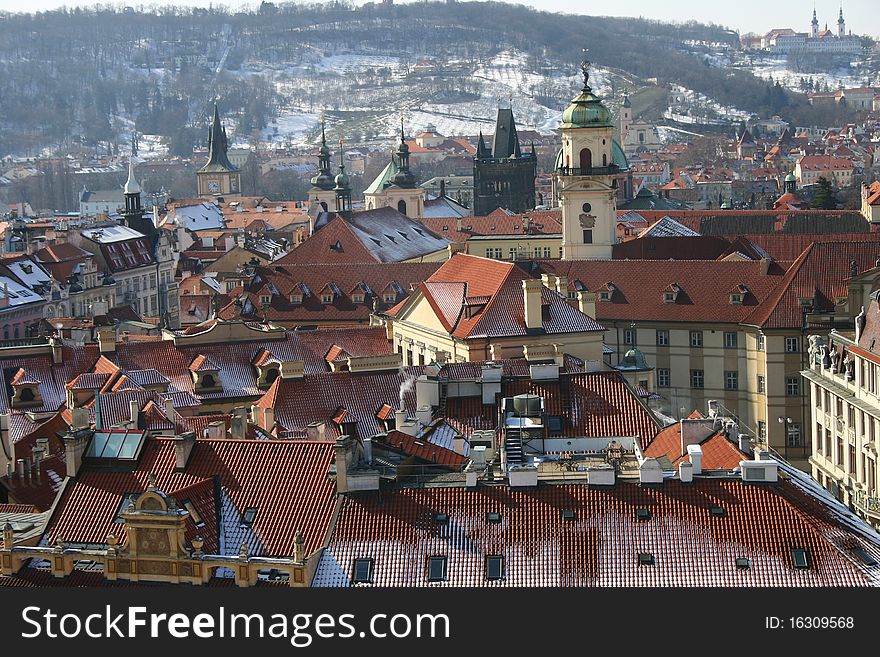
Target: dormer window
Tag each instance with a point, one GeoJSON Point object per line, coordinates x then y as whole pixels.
{"type": "Point", "coordinates": [671, 293]}
{"type": "Point", "coordinates": [604, 295]}
{"type": "Point", "coordinates": [327, 297]}
{"type": "Point", "coordinates": [669, 297]}
{"type": "Point", "coordinates": [25, 390]}
{"type": "Point", "coordinates": [357, 298]}
{"type": "Point", "coordinates": [206, 375]}
{"type": "Point", "coordinates": [805, 302]}
{"type": "Point", "coordinates": [296, 299]}
{"type": "Point", "coordinates": [736, 298]}
{"type": "Point", "coordinates": [265, 298]}
{"type": "Point", "coordinates": [389, 297]}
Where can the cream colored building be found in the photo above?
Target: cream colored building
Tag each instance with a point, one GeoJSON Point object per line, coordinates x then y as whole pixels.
{"type": "Point", "coordinates": [843, 375]}
{"type": "Point", "coordinates": [474, 309]}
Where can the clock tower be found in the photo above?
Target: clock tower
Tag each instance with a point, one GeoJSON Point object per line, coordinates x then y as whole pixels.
{"type": "Point", "coordinates": [218, 177]}
{"type": "Point", "coordinates": [587, 168]}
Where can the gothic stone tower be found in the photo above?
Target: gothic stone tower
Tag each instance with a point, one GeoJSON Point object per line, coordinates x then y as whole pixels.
{"type": "Point", "coordinates": [505, 176]}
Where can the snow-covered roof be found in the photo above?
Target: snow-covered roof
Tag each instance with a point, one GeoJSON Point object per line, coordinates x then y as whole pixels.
{"type": "Point", "coordinates": [17, 293]}
{"type": "Point", "coordinates": [669, 227]}
{"type": "Point", "coordinates": [29, 272]}
{"type": "Point", "coordinates": [202, 216]}
{"type": "Point", "coordinates": [110, 234]}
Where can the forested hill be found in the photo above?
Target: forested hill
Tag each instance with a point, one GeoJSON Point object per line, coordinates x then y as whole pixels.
{"type": "Point", "coordinates": [81, 75]}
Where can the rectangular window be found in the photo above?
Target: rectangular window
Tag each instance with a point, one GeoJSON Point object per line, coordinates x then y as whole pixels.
{"type": "Point", "coordinates": [363, 571]}
{"type": "Point", "coordinates": [662, 338]}
{"type": "Point", "coordinates": [792, 386]}
{"type": "Point", "coordinates": [762, 385]}
{"type": "Point", "coordinates": [851, 466]}
{"type": "Point", "coordinates": [629, 336]}
{"type": "Point", "coordinates": [839, 453]}
{"type": "Point", "coordinates": [793, 435]}
{"type": "Point", "coordinates": [696, 338]}
{"type": "Point", "coordinates": [494, 567]}
{"type": "Point", "coordinates": [792, 345]}
{"type": "Point", "coordinates": [762, 430]}
{"type": "Point", "coordinates": [731, 380]}
{"type": "Point", "coordinates": [761, 343]}
{"type": "Point", "coordinates": [730, 340]}
{"type": "Point", "coordinates": [662, 377]}
{"type": "Point", "coordinates": [547, 252]}
{"type": "Point", "coordinates": [436, 569]}
{"type": "Point", "coordinates": [696, 378]}
{"type": "Point", "coordinates": [588, 237]}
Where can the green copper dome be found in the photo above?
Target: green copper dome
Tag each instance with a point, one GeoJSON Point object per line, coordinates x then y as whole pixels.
{"type": "Point", "coordinates": [586, 111]}
{"type": "Point", "coordinates": [790, 178]}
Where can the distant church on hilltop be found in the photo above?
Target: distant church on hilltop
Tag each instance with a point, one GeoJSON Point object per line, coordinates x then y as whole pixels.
{"type": "Point", "coordinates": [505, 176]}
{"type": "Point", "coordinates": [824, 41]}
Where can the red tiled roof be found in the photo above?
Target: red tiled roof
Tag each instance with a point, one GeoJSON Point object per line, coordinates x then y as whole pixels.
{"type": "Point", "coordinates": [600, 548]}
{"type": "Point", "coordinates": [640, 285]}
{"type": "Point", "coordinates": [540, 222]}
{"type": "Point", "coordinates": [821, 272]}
{"type": "Point", "coordinates": [23, 377]}
{"type": "Point", "coordinates": [286, 481]}
{"type": "Point", "coordinates": [422, 449]}
{"type": "Point", "coordinates": [503, 314]}
{"type": "Point", "coordinates": [18, 508]}
{"type": "Point", "coordinates": [718, 452]}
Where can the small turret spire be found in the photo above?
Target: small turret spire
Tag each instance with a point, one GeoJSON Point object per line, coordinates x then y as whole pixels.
{"type": "Point", "coordinates": [131, 185]}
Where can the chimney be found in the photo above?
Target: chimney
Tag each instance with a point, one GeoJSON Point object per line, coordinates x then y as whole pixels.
{"type": "Point", "coordinates": [133, 410]}
{"type": "Point", "coordinates": [75, 443]}
{"type": "Point", "coordinates": [562, 286]}
{"type": "Point", "coordinates": [106, 342]}
{"type": "Point", "coordinates": [183, 447]}
{"type": "Point", "coordinates": [239, 423]}
{"type": "Point", "coordinates": [745, 443]}
{"type": "Point", "coordinates": [256, 415]}
{"type": "Point", "coordinates": [548, 281]}
{"type": "Point", "coordinates": [765, 266]}
{"type": "Point", "coordinates": [20, 469]}
{"type": "Point", "coordinates": [268, 419]}
{"type": "Point", "coordinates": [36, 465]}
{"type": "Point", "coordinates": [650, 472]}
{"type": "Point", "coordinates": [860, 324]}
{"type": "Point", "coordinates": [400, 418]}
{"type": "Point", "coordinates": [57, 351]}
{"type": "Point", "coordinates": [458, 224]}
{"type": "Point", "coordinates": [299, 547]}
{"type": "Point", "coordinates": [368, 450]}
{"type": "Point", "coordinates": [342, 454]}
{"type": "Point", "coordinates": [458, 444]}
{"type": "Point", "coordinates": [170, 411]}
{"type": "Point", "coordinates": [215, 430]}
{"type": "Point", "coordinates": [532, 303]}
{"type": "Point", "coordinates": [423, 415]}
{"type": "Point", "coordinates": [695, 454]}
{"type": "Point", "coordinates": [79, 418]}
{"type": "Point", "coordinates": [478, 456]}
{"type": "Point", "coordinates": [456, 247]}
{"type": "Point", "coordinates": [685, 472]}
{"type": "Point", "coordinates": [587, 303]}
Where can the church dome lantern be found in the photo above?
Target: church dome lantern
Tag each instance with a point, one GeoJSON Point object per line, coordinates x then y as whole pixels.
{"type": "Point", "coordinates": [586, 110]}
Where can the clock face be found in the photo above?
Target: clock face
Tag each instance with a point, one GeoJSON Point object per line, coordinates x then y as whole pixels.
{"type": "Point", "coordinates": [213, 186]}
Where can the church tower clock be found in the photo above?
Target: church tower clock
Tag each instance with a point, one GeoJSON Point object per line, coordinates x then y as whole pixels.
{"type": "Point", "coordinates": [218, 177]}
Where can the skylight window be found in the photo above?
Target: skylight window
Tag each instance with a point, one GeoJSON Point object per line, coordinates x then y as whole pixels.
{"type": "Point", "coordinates": [568, 515]}
{"type": "Point", "coordinates": [646, 559]}
{"type": "Point", "coordinates": [494, 567]}
{"type": "Point", "coordinates": [800, 559]}
{"type": "Point", "coordinates": [436, 569]}
{"type": "Point", "coordinates": [717, 511]}
{"type": "Point", "coordinates": [441, 518]}
{"type": "Point", "coordinates": [743, 563]}
{"type": "Point", "coordinates": [248, 517]}
{"type": "Point", "coordinates": [643, 514]}
{"type": "Point", "coordinates": [493, 517]}
{"type": "Point", "coordinates": [863, 556]}
{"type": "Point", "coordinates": [363, 571]}
{"type": "Point", "coordinates": [193, 513]}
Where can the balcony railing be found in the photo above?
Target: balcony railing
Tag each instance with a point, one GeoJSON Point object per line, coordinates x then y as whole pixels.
{"type": "Point", "coordinates": [867, 503]}
{"type": "Point", "coordinates": [610, 170]}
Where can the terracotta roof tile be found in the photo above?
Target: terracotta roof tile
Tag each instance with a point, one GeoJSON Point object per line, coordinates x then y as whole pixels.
{"type": "Point", "coordinates": [599, 548]}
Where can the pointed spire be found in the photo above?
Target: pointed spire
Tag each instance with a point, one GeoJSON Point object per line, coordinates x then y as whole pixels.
{"type": "Point", "coordinates": [131, 185]}
{"type": "Point", "coordinates": [218, 145]}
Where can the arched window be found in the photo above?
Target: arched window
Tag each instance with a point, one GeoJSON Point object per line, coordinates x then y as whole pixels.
{"type": "Point", "coordinates": [27, 395]}
{"type": "Point", "coordinates": [586, 158]}
{"type": "Point", "coordinates": [208, 381]}
{"type": "Point", "coordinates": [271, 375]}
{"type": "Point", "coordinates": [401, 206]}
{"type": "Point", "coordinates": [604, 160]}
